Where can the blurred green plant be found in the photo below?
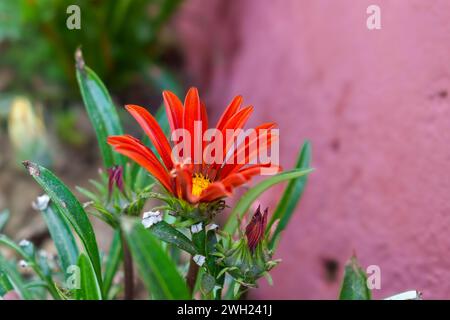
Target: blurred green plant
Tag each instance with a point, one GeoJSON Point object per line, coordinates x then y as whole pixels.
{"type": "Point", "coordinates": [355, 285]}
{"type": "Point", "coordinates": [66, 128]}
{"type": "Point", "coordinates": [124, 39]}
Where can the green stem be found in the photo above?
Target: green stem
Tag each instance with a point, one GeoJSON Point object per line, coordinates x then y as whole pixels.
{"type": "Point", "coordinates": [50, 284]}
{"type": "Point", "coordinates": [128, 270]}
{"type": "Point", "coordinates": [191, 277]}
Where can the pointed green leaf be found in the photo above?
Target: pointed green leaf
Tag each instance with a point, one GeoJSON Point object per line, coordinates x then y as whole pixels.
{"type": "Point", "coordinates": [38, 264]}
{"type": "Point", "coordinates": [165, 232]}
{"type": "Point", "coordinates": [26, 254]}
{"type": "Point", "coordinates": [14, 278]}
{"type": "Point", "coordinates": [5, 284]}
{"type": "Point", "coordinates": [62, 236]}
{"type": "Point", "coordinates": [155, 267]}
{"type": "Point", "coordinates": [251, 195]}
{"type": "Point", "coordinates": [100, 109]}
{"type": "Point", "coordinates": [291, 196]}
{"type": "Point", "coordinates": [89, 287]}
{"type": "Point", "coordinates": [70, 207]}
{"type": "Point", "coordinates": [354, 286]}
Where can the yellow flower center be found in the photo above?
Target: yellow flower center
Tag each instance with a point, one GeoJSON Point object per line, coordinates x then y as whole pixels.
{"type": "Point", "coordinates": [199, 183]}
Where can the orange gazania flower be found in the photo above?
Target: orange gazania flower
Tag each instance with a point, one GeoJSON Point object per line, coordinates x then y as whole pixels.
{"type": "Point", "coordinates": [193, 182]}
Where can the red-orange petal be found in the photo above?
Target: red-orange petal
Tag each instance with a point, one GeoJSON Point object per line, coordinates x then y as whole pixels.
{"type": "Point", "coordinates": [215, 191]}
{"type": "Point", "coordinates": [192, 113]}
{"type": "Point", "coordinates": [183, 183]}
{"type": "Point", "coordinates": [237, 121]}
{"type": "Point", "coordinates": [204, 127]}
{"type": "Point", "coordinates": [249, 149]}
{"type": "Point", "coordinates": [135, 150]}
{"type": "Point", "coordinates": [243, 176]}
{"type": "Point", "coordinates": [154, 132]}
{"type": "Point", "coordinates": [232, 108]}
{"type": "Point", "coordinates": [174, 110]}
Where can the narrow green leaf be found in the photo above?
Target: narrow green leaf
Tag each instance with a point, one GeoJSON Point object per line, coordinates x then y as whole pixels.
{"type": "Point", "coordinates": [4, 240]}
{"type": "Point", "coordinates": [70, 207]}
{"type": "Point", "coordinates": [251, 195]}
{"type": "Point", "coordinates": [100, 109]}
{"type": "Point", "coordinates": [165, 232]}
{"type": "Point", "coordinates": [89, 287]}
{"type": "Point", "coordinates": [155, 267]}
{"type": "Point", "coordinates": [14, 278]}
{"type": "Point", "coordinates": [4, 216]}
{"type": "Point", "coordinates": [5, 284]}
{"type": "Point", "coordinates": [39, 264]}
{"type": "Point", "coordinates": [112, 262]}
{"type": "Point", "coordinates": [354, 286]}
{"type": "Point", "coordinates": [291, 196]}
{"type": "Point", "coordinates": [62, 236]}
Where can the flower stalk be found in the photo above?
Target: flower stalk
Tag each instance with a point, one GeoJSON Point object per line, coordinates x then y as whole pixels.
{"type": "Point", "coordinates": [128, 270]}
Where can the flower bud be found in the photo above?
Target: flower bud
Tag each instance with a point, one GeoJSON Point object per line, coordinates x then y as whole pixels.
{"type": "Point", "coordinates": [256, 228]}
{"type": "Point", "coordinates": [248, 258]}
{"type": "Point", "coordinates": [115, 177]}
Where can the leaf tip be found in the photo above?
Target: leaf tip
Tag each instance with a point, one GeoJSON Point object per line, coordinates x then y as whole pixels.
{"type": "Point", "coordinates": [79, 61]}
{"type": "Point", "coordinates": [33, 169]}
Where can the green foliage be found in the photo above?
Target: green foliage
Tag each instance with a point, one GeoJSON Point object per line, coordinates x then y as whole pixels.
{"type": "Point", "coordinates": [62, 235]}
{"type": "Point", "coordinates": [291, 196]}
{"type": "Point", "coordinates": [101, 111]}
{"type": "Point", "coordinates": [108, 34]}
{"type": "Point", "coordinates": [90, 287]}
{"type": "Point", "coordinates": [156, 268]}
{"type": "Point", "coordinates": [72, 210]}
{"type": "Point", "coordinates": [354, 286]}
{"type": "Point", "coordinates": [31, 259]}
{"type": "Point", "coordinates": [10, 279]}
{"type": "Point", "coordinates": [113, 259]}
{"type": "Point", "coordinates": [165, 232]}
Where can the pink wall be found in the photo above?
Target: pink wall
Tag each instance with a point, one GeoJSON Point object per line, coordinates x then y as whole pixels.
{"type": "Point", "coordinates": [375, 105]}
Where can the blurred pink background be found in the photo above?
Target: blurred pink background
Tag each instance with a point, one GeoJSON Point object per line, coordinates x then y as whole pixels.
{"type": "Point", "coordinates": [375, 105]}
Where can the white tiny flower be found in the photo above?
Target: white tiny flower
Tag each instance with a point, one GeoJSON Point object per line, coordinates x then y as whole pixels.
{"type": "Point", "coordinates": [196, 228]}
{"type": "Point", "coordinates": [23, 264]}
{"type": "Point", "coordinates": [151, 217]}
{"type": "Point", "coordinates": [199, 259]}
{"type": "Point", "coordinates": [24, 243]}
{"type": "Point", "coordinates": [43, 254]}
{"type": "Point", "coordinates": [41, 203]}
{"type": "Point", "coordinates": [211, 226]}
